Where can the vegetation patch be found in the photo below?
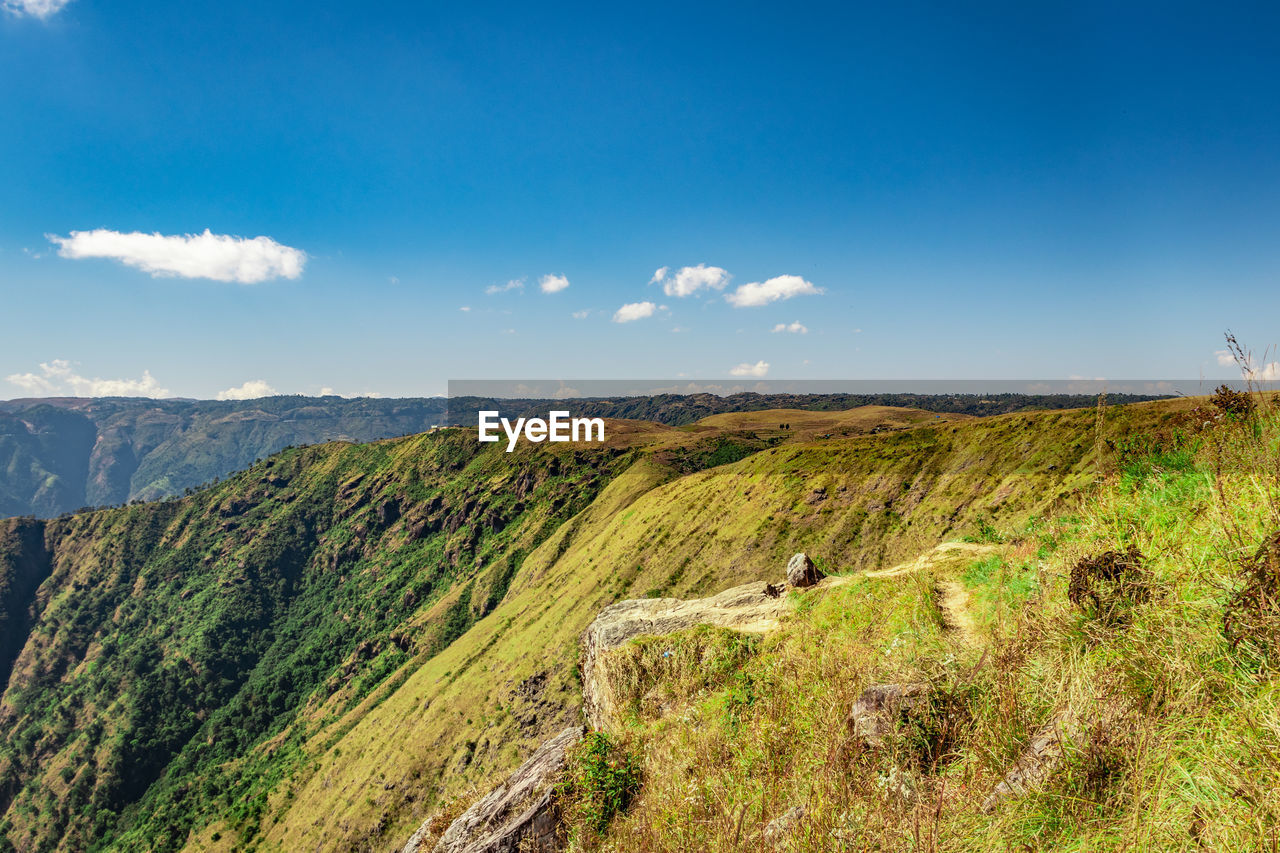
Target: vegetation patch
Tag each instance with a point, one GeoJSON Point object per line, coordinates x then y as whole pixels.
{"type": "Point", "coordinates": [602, 777]}
{"type": "Point", "coordinates": [653, 675]}
{"type": "Point", "coordinates": [1252, 617]}
{"type": "Point", "coordinates": [1108, 586]}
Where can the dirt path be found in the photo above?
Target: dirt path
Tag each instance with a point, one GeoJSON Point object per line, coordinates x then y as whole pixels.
{"type": "Point", "coordinates": [953, 599]}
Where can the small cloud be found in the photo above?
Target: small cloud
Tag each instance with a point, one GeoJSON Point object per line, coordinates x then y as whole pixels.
{"type": "Point", "coordinates": [393, 279]}
{"type": "Point", "coordinates": [634, 311]}
{"type": "Point", "coordinates": [508, 331]}
{"type": "Point", "coordinates": [758, 293]}
{"type": "Point", "coordinates": [1225, 358]}
{"type": "Point", "coordinates": [581, 315]}
{"type": "Point", "coordinates": [35, 8]}
{"type": "Point", "coordinates": [760, 368]}
{"type": "Point", "coordinates": [465, 309]}
{"type": "Point", "coordinates": [514, 284]}
{"type": "Point", "coordinates": [57, 378]}
{"type": "Point", "coordinates": [689, 280]}
{"type": "Point", "coordinates": [857, 331]}
{"type": "Point", "coordinates": [326, 391]}
{"type": "Point", "coordinates": [796, 328]}
{"type": "Point", "coordinates": [1267, 373]}
{"type": "Point", "coordinates": [251, 390]}
{"type": "Point", "coordinates": [553, 283]}
{"type": "Point", "coordinates": [220, 257]}
{"type": "Point", "coordinates": [675, 330]}
{"type": "Point", "coordinates": [659, 274]}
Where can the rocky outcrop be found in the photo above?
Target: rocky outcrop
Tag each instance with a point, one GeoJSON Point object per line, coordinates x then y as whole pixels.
{"type": "Point", "coordinates": [875, 713]}
{"type": "Point", "coordinates": [784, 826]}
{"type": "Point", "coordinates": [1045, 751]}
{"type": "Point", "coordinates": [1037, 761]}
{"type": "Point", "coordinates": [743, 608]}
{"type": "Point", "coordinates": [518, 816]}
{"type": "Point", "coordinates": [801, 571]}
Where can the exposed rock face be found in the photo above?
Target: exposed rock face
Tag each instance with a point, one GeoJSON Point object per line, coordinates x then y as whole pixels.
{"type": "Point", "coordinates": [801, 571]}
{"type": "Point", "coordinates": [515, 817]}
{"type": "Point", "coordinates": [742, 608]}
{"type": "Point", "coordinates": [875, 712]}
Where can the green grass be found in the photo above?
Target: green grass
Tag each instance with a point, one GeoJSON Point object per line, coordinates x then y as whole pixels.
{"type": "Point", "coordinates": [1180, 745]}
{"type": "Point", "coordinates": [279, 666]}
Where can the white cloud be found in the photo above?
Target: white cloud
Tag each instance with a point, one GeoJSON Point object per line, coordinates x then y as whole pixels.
{"type": "Point", "coordinates": [760, 368]}
{"type": "Point", "coordinates": [796, 328]}
{"type": "Point", "coordinates": [217, 256]}
{"type": "Point", "coordinates": [581, 315]}
{"type": "Point", "coordinates": [1266, 373]}
{"type": "Point", "coordinates": [659, 274]}
{"type": "Point", "coordinates": [57, 378]}
{"type": "Point", "coordinates": [689, 280]}
{"type": "Point", "coordinates": [465, 309]}
{"type": "Point", "coordinates": [34, 8]}
{"type": "Point", "coordinates": [634, 311]}
{"type": "Point", "coordinates": [514, 284]}
{"type": "Point", "coordinates": [326, 391]}
{"type": "Point", "coordinates": [251, 390]}
{"type": "Point", "coordinates": [553, 283]}
{"type": "Point", "coordinates": [762, 293]}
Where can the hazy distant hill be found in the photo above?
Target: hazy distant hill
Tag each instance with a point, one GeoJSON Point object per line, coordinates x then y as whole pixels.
{"type": "Point", "coordinates": [60, 454]}
{"type": "Point", "coordinates": [681, 409]}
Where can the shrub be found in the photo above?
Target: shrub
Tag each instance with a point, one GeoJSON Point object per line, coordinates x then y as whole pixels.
{"type": "Point", "coordinates": [1252, 617]}
{"type": "Point", "coordinates": [1108, 586]}
{"type": "Point", "coordinates": [601, 778]}
{"type": "Point", "coordinates": [1238, 405]}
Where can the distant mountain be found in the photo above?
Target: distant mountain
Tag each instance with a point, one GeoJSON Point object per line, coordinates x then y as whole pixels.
{"type": "Point", "coordinates": [60, 454]}
{"type": "Point", "coordinates": [681, 409]}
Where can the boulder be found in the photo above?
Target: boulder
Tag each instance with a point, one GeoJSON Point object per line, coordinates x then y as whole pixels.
{"type": "Point", "coordinates": [801, 571]}
{"type": "Point", "coordinates": [875, 713]}
{"type": "Point", "coordinates": [517, 816]}
{"type": "Point", "coordinates": [782, 827]}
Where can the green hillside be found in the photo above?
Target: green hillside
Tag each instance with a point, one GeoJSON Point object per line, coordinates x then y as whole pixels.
{"type": "Point", "coordinates": [322, 651]}
{"type": "Point", "coordinates": [1134, 636]}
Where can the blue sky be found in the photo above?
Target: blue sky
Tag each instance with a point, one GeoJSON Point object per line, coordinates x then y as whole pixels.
{"type": "Point", "coordinates": [1002, 191]}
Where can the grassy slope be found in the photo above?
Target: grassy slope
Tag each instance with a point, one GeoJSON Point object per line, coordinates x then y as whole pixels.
{"type": "Point", "coordinates": [173, 637]}
{"type": "Point", "coordinates": [650, 533]}
{"type": "Point", "coordinates": [1182, 753]}
{"type": "Point", "coordinates": [280, 662]}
